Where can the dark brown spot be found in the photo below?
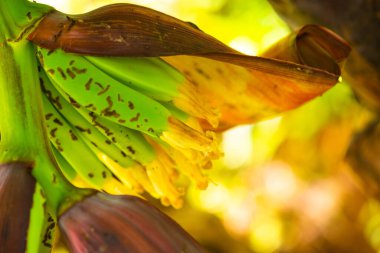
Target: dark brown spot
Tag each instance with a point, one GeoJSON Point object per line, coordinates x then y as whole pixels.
{"type": "Point", "coordinates": [108, 142]}
{"type": "Point", "coordinates": [107, 111]}
{"type": "Point", "coordinates": [123, 154]}
{"type": "Point", "coordinates": [90, 175]}
{"type": "Point", "coordinates": [150, 130]}
{"type": "Point", "coordinates": [113, 139]}
{"type": "Point", "coordinates": [104, 90]}
{"type": "Point", "coordinates": [80, 128]}
{"type": "Point", "coordinates": [104, 174]}
{"type": "Point", "coordinates": [57, 35]}
{"type": "Point", "coordinates": [60, 70]}
{"type": "Point", "coordinates": [131, 105]}
{"type": "Point", "coordinates": [130, 149]}
{"type": "Point", "coordinates": [119, 98]}
{"type": "Point", "coordinates": [100, 85]}
{"type": "Point", "coordinates": [51, 71]}
{"type": "Point", "coordinates": [53, 131]}
{"type": "Point", "coordinates": [47, 234]}
{"type": "Point", "coordinates": [122, 121]}
{"type": "Point", "coordinates": [93, 143]}
{"type": "Point", "coordinates": [73, 136]}
{"type": "Point", "coordinates": [71, 62]}
{"type": "Point", "coordinates": [88, 84]}
{"type": "Point", "coordinates": [58, 144]}
{"type": "Point", "coordinates": [104, 128]}
{"type": "Point", "coordinates": [135, 118]}
{"type": "Point", "coordinates": [109, 101]}
{"type": "Point", "coordinates": [70, 73]}
{"type": "Point", "coordinates": [74, 103]}
{"type": "Point", "coordinates": [42, 84]}
{"type": "Point", "coordinates": [57, 103]}
{"type": "Point", "coordinates": [58, 122]}
{"type": "Point", "coordinates": [79, 71]}
{"type": "Point", "coordinates": [146, 120]}
{"type": "Point", "coordinates": [29, 15]}
{"type": "Point", "coordinates": [71, 23]}
{"type": "Point", "coordinates": [48, 116]}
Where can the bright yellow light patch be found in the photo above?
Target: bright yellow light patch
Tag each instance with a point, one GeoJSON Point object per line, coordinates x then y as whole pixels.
{"type": "Point", "coordinates": [280, 182]}
{"type": "Point", "coordinates": [244, 45]}
{"type": "Point", "coordinates": [214, 198]}
{"type": "Point", "coordinates": [237, 146]}
{"type": "Point", "coordinates": [266, 234]}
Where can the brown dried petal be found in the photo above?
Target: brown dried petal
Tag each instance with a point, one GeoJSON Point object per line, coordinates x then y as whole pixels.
{"type": "Point", "coordinates": [105, 223]}
{"type": "Point", "coordinates": [16, 197]}
{"type": "Point", "coordinates": [131, 30]}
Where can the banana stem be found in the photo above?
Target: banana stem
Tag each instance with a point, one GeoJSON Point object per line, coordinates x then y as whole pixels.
{"type": "Point", "coordinates": [22, 128]}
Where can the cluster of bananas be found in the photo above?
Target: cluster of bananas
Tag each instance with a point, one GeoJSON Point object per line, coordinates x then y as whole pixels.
{"type": "Point", "coordinates": [125, 125]}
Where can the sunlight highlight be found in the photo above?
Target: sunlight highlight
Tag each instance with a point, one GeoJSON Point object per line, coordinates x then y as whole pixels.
{"type": "Point", "coordinates": [237, 146]}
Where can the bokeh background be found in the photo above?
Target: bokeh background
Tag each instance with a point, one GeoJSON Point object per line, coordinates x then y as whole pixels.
{"type": "Point", "coordinates": [284, 184]}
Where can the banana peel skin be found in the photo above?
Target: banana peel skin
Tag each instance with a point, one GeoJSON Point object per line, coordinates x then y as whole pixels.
{"type": "Point", "coordinates": [138, 133]}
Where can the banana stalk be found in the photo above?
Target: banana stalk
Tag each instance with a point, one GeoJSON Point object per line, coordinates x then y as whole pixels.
{"type": "Point", "coordinates": [24, 148]}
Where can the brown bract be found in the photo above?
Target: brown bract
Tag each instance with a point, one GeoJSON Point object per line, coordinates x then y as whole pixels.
{"type": "Point", "coordinates": [123, 29]}
{"type": "Point", "coordinates": [16, 197]}
{"type": "Point", "coordinates": [105, 223]}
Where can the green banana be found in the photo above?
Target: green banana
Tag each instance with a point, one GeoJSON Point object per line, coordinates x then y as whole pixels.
{"type": "Point", "coordinates": [105, 138]}
{"type": "Point", "coordinates": [66, 140]}
{"type": "Point", "coordinates": [131, 143]}
{"type": "Point", "coordinates": [150, 76]}
{"type": "Point", "coordinates": [157, 79]}
{"type": "Point", "coordinates": [87, 86]}
{"type": "Point", "coordinates": [91, 132]}
{"type": "Point", "coordinates": [68, 171]}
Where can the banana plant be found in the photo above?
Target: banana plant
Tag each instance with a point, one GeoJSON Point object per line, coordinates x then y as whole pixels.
{"type": "Point", "coordinates": [125, 100]}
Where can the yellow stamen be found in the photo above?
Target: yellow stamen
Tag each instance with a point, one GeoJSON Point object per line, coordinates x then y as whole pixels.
{"type": "Point", "coordinates": [182, 136]}
{"type": "Point", "coordinates": [190, 101]}
{"type": "Point", "coordinates": [163, 185]}
{"type": "Point", "coordinates": [123, 174]}
{"type": "Point", "coordinates": [189, 168]}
